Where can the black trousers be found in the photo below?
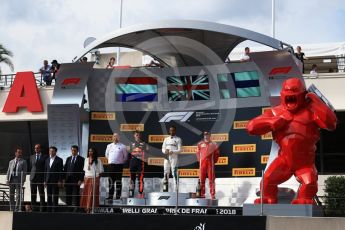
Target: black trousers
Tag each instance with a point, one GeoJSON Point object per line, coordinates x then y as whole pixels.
{"type": "Point", "coordinates": [34, 186]}
{"type": "Point", "coordinates": [115, 174]}
{"type": "Point", "coordinates": [52, 197]}
{"type": "Point", "coordinates": [72, 194]}
{"type": "Point", "coordinates": [136, 167]}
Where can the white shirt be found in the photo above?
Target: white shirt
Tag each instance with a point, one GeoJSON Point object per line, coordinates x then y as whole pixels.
{"type": "Point", "coordinates": [116, 153]}
{"type": "Point", "coordinates": [90, 171]}
{"type": "Point", "coordinates": [37, 156]}
{"type": "Point", "coordinates": [16, 162]}
{"type": "Point", "coordinates": [51, 160]}
{"type": "Point", "coordinates": [245, 57]}
{"type": "Point", "coordinates": [313, 73]}
{"type": "Point", "coordinates": [173, 144]}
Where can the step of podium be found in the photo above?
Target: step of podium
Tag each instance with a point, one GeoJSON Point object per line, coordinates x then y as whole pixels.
{"type": "Point", "coordinates": [201, 202]}
{"type": "Point", "coordinates": [163, 199]}
{"type": "Point", "coordinates": [167, 198]}
{"type": "Point", "coordinates": [135, 201]}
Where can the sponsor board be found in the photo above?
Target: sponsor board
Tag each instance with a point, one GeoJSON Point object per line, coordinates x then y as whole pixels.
{"type": "Point", "coordinates": [131, 127]}
{"type": "Point", "coordinates": [189, 149]}
{"type": "Point", "coordinates": [102, 116]}
{"type": "Point", "coordinates": [219, 137]}
{"type": "Point", "coordinates": [101, 138]}
{"type": "Point", "coordinates": [157, 161]}
{"type": "Point", "coordinates": [188, 172]}
{"type": "Point", "coordinates": [207, 115]}
{"type": "Point", "coordinates": [243, 171]}
{"type": "Point", "coordinates": [240, 124]}
{"type": "Point", "coordinates": [263, 110]}
{"type": "Point", "coordinates": [126, 172]}
{"type": "Point", "coordinates": [264, 159]}
{"type": "Point", "coordinates": [23, 94]}
{"type": "Point", "coordinates": [267, 136]}
{"type": "Point", "coordinates": [222, 161]}
{"type": "Point", "coordinates": [157, 138]}
{"type": "Point", "coordinates": [176, 116]}
{"type": "Point", "coordinates": [232, 211]}
{"type": "Point", "coordinates": [244, 148]}
{"type": "Point", "coordinates": [104, 160]}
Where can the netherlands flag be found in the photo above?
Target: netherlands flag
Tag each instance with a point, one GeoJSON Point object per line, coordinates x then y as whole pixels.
{"type": "Point", "coordinates": [131, 89]}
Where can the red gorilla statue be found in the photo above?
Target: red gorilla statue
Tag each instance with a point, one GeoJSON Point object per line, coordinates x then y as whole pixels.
{"type": "Point", "coordinates": [295, 127]}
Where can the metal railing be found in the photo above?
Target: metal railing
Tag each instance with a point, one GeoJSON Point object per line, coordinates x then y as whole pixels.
{"type": "Point", "coordinates": [325, 64]}
{"type": "Point", "coordinates": [6, 80]}
{"type": "Point", "coordinates": [237, 190]}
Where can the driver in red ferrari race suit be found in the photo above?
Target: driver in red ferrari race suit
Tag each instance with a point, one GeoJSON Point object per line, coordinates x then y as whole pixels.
{"type": "Point", "coordinates": [207, 155]}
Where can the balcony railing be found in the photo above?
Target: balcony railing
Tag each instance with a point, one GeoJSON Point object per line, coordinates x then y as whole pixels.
{"type": "Point", "coordinates": [6, 80]}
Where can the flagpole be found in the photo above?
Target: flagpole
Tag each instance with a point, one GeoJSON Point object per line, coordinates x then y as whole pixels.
{"type": "Point", "coordinates": [120, 25]}
{"type": "Point", "coordinates": [273, 20]}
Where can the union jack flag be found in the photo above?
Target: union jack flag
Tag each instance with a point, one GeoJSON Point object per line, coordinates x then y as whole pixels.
{"type": "Point", "coordinates": [188, 88]}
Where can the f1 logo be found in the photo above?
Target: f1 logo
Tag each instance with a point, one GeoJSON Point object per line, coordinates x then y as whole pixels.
{"type": "Point", "coordinates": [69, 81]}
{"type": "Point", "coordinates": [280, 70]}
{"type": "Point", "coordinates": [164, 198]}
{"type": "Point", "coordinates": [176, 116]}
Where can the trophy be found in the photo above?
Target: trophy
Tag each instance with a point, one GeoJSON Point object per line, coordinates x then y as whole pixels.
{"type": "Point", "coordinates": [165, 183]}
{"type": "Point", "coordinates": [131, 189]}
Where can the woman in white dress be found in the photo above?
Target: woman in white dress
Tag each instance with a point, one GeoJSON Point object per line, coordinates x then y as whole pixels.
{"type": "Point", "coordinates": [93, 168]}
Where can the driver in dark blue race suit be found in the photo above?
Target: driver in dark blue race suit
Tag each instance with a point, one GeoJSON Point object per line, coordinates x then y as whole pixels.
{"type": "Point", "coordinates": [137, 161]}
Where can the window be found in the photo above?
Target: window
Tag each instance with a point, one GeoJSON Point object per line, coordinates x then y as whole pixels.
{"type": "Point", "coordinates": [188, 88]}
{"type": "Point", "coordinates": [246, 84]}
{"type": "Point", "coordinates": [136, 89]}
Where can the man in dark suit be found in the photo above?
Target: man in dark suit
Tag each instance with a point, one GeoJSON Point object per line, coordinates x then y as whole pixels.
{"type": "Point", "coordinates": [53, 178]}
{"type": "Point", "coordinates": [73, 177]}
{"type": "Point", "coordinates": [15, 178]}
{"type": "Point", "coordinates": [37, 165]}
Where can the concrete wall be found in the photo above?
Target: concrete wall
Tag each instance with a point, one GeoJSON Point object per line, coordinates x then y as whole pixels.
{"type": "Point", "coordinates": [332, 86]}
{"type": "Point", "coordinates": [6, 220]}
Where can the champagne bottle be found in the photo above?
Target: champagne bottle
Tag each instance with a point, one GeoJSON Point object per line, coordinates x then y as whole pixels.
{"type": "Point", "coordinates": [165, 184]}
{"type": "Point", "coordinates": [198, 189]}
{"type": "Point", "coordinates": [131, 189]}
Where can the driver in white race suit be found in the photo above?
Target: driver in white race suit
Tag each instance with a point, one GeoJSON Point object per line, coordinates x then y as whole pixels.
{"type": "Point", "coordinates": [171, 148]}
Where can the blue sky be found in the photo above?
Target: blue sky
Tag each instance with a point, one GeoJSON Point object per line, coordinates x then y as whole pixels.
{"type": "Point", "coordinates": [35, 30]}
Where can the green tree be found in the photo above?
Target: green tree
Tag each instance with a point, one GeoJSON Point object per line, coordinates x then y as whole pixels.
{"type": "Point", "coordinates": [335, 196]}
{"type": "Point", "coordinates": [5, 57]}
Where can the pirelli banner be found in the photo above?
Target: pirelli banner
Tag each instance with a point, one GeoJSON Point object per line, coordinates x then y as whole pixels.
{"type": "Point", "coordinates": [241, 154]}
{"type": "Point", "coordinates": [193, 100]}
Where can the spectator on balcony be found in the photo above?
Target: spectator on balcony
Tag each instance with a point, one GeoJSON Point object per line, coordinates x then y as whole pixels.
{"type": "Point", "coordinates": [245, 57]}
{"type": "Point", "coordinates": [111, 63]}
{"type": "Point", "coordinates": [154, 63]}
{"type": "Point", "coordinates": [300, 56]}
{"type": "Point", "coordinates": [313, 71]}
{"type": "Point", "coordinates": [46, 73]}
{"type": "Point", "coordinates": [83, 60]}
{"type": "Point", "coordinates": [54, 68]}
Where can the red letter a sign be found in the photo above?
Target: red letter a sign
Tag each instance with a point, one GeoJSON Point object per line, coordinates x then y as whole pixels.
{"type": "Point", "coordinates": [24, 93]}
